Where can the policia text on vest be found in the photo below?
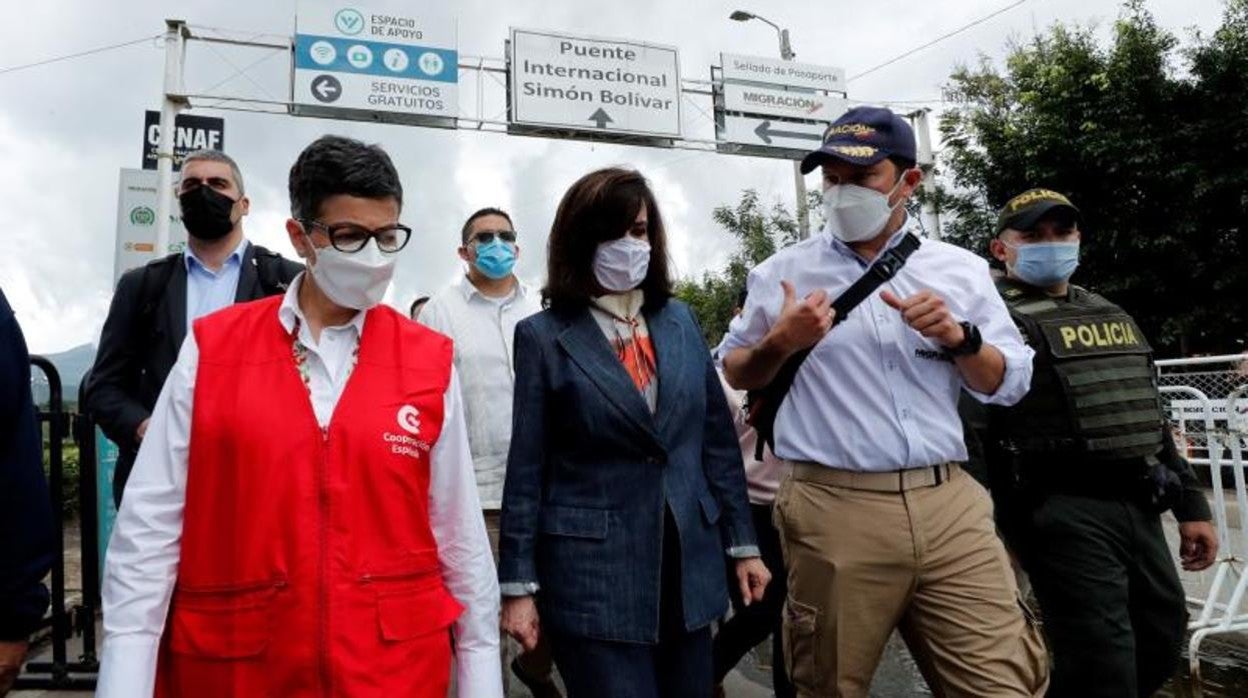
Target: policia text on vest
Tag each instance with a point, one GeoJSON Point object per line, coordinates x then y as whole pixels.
{"type": "Point", "coordinates": [1074, 339]}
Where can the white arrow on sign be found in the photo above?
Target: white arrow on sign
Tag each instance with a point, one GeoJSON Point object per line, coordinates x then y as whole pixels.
{"type": "Point", "coordinates": [326, 88]}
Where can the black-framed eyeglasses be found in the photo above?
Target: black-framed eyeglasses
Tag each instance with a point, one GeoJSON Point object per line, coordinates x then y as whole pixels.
{"type": "Point", "coordinates": [485, 237]}
{"type": "Point", "coordinates": [349, 237]}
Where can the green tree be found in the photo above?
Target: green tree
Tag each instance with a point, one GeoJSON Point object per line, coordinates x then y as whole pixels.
{"type": "Point", "coordinates": [1217, 140]}
{"type": "Point", "coordinates": [759, 231]}
{"type": "Point", "coordinates": [1143, 137]}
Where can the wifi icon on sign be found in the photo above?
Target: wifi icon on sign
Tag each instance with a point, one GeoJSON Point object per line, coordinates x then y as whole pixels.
{"type": "Point", "coordinates": [323, 52]}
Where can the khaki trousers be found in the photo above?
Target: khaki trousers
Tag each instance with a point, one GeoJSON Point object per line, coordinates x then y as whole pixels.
{"type": "Point", "coordinates": [924, 558]}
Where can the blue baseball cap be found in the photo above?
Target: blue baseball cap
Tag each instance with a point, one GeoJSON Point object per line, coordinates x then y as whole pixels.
{"type": "Point", "coordinates": [864, 136]}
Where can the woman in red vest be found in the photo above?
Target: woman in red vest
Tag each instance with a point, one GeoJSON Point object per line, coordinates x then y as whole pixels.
{"type": "Point", "coordinates": [302, 519]}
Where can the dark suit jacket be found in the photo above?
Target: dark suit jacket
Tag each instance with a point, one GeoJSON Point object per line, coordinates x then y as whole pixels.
{"type": "Point", "coordinates": [26, 530]}
{"type": "Point", "coordinates": [132, 362]}
{"type": "Point", "coordinates": [591, 470]}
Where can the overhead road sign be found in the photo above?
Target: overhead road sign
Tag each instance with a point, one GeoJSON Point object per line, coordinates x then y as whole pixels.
{"type": "Point", "coordinates": [773, 107]}
{"type": "Point", "coordinates": [737, 67]}
{"type": "Point", "coordinates": [786, 104]}
{"type": "Point", "coordinates": [191, 133]}
{"type": "Point", "coordinates": [382, 61]}
{"type": "Point", "coordinates": [610, 88]}
{"type": "Point", "coordinates": [325, 88]}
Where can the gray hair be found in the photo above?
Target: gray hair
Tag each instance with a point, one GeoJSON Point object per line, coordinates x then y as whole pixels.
{"type": "Point", "coordinates": [218, 156]}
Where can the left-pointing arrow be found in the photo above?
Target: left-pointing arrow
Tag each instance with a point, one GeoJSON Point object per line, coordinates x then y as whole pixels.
{"type": "Point", "coordinates": [765, 132]}
{"type": "Point", "coordinates": [326, 88]}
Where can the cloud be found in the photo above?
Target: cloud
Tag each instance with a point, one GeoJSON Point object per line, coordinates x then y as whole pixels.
{"type": "Point", "coordinates": [58, 236]}
{"type": "Point", "coordinates": [66, 128]}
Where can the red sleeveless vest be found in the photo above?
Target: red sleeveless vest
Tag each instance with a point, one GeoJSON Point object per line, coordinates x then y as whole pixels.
{"type": "Point", "coordinates": [308, 566]}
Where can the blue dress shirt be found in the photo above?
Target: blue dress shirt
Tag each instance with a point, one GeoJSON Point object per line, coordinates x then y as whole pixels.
{"type": "Point", "coordinates": [208, 291]}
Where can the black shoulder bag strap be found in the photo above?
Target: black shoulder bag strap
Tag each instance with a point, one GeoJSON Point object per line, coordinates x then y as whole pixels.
{"type": "Point", "coordinates": [764, 404]}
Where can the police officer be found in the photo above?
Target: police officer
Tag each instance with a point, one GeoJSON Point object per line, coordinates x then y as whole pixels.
{"type": "Point", "coordinates": [1083, 466]}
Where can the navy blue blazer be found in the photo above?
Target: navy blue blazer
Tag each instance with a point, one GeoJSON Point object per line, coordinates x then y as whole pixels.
{"type": "Point", "coordinates": [26, 533]}
{"type": "Point", "coordinates": [591, 468]}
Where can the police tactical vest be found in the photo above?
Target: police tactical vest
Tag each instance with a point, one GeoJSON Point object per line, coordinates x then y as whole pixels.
{"type": "Point", "coordinates": [1093, 390]}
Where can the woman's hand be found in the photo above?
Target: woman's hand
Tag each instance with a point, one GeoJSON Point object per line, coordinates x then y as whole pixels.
{"type": "Point", "coordinates": [520, 620]}
{"type": "Point", "coordinates": [753, 577]}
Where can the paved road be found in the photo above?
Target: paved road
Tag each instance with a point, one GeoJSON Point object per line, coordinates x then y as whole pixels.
{"type": "Point", "coordinates": [1224, 660]}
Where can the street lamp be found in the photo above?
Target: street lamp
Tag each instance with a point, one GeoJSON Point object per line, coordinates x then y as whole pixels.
{"type": "Point", "coordinates": [786, 53]}
{"type": "Point", "coordinates": [786, 49]}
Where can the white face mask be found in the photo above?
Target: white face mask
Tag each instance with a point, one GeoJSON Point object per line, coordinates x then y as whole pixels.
{"type": "Point", "coordinates": [353, 279]}
{"type": "Point", "coordinates": [621, 265]}
{"type": "Point", "coordinates": [855, 213]}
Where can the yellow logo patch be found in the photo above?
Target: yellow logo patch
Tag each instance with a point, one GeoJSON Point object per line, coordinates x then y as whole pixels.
{"type": "Point", "coordinates": [854, 151]}
{"type": "Point", "coordinates": [1033, 196]}
{"type": "Point", "coordinates": [859, 130]}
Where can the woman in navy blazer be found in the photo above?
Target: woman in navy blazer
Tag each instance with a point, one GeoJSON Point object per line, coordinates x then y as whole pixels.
{"type": "Point", "coordinates": [625, 489]}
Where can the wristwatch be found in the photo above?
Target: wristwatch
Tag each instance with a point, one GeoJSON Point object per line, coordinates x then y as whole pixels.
{"type": "Point", "coordinates": [972, 341]}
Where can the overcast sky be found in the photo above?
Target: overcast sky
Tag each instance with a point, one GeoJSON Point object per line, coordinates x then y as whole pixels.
{"type": "Point", "coordinates": [66, 128]}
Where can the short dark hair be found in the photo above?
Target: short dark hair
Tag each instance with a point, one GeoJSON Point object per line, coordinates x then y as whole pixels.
{"type": "Point", "coordinates": [902, 164]}
{"type": "Point", "coordinates": [416, 304]}
{"type": "Point", "coordinates": [599, 207]}
{"type": "Point", "coordinates": [480, 213]}
{"type": "Point", "coordinates": [210, 155]}
{"type": "Point", "coordinates": [741, 296]}
{"type": "Point", "coordinates": [334, 165]}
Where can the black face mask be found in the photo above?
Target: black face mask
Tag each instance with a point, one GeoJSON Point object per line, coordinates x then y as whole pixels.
{"type": "Point", "coordinates": [206, 213]}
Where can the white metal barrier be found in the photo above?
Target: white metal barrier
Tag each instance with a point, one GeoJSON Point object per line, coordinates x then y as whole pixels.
{"type": "Point", "coordinates": [1206, 399]}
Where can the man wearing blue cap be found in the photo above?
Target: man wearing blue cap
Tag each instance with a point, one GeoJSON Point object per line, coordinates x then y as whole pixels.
{"type": "Point", "coordinates": [881, 527]}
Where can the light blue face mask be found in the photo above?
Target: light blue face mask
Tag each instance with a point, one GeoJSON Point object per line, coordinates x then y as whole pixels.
{"type": "Point", "coordinates": [496, 259]}
{"type": "Point", "coordinates": [1045, 264]}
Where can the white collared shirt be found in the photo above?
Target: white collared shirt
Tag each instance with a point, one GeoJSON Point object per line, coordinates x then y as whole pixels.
{"type": "Point", "coordinates": [483, 330]}
{"type": "Point", "coordinates": [875, 395]}
{"type": "Point", "coordinates": [328, 362]}
{"type": "Point", "coordinates": [142, 563]}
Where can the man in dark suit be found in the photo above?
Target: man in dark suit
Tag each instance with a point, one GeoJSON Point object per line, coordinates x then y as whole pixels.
{"type": "Point", "coordinates": [156, 303]}
{"type": "Point", "coordinates": [26, 538]}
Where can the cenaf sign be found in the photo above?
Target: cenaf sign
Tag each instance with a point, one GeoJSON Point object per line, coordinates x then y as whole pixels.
{"type": "Point", "coordinates": [191, 133]}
